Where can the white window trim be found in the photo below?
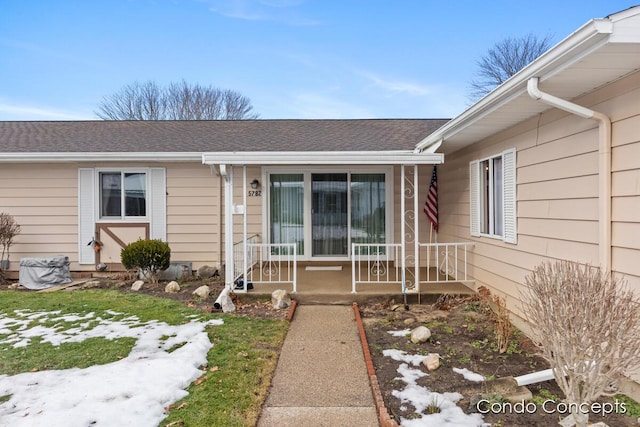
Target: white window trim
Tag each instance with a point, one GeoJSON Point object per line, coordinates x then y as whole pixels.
{"type": "Point", "coordinates": [123, 218]}
{"type": "Point", "coordinates": [509, 200]}
{"type": "Point", "coordinates": [307, 172]}
{"type": "Point", "coordinates": [89, 207]}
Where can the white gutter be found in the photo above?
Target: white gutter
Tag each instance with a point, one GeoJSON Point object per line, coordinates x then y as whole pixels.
{"type": "Point", "coordinates": [321, 158]}
{"type": "Point", "coordinates": [559, 57]}
{"type": "Point", "coordinates": [604, 163]}
{"type": "Point", "coordinates": [101, 156]}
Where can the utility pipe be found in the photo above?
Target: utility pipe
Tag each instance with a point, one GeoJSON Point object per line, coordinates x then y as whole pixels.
{"type": "Point", "coordinates": [604, 163]}
{"type": "Point", "coordinates": [535, 377]}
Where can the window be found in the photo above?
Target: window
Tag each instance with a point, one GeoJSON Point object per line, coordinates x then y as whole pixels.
{"type": "Point", "coordinates": [287, 209]}
{"type": "Point", "coordinates": [493, 197]}
{"type": "Point", "coordinates": [324, 211]}
{"type": "Point", "coordinates": [136, 195]}
{"type": "Point", "coordinates": [123, 194]}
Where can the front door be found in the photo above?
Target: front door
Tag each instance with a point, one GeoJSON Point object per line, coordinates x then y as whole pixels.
{"type": "Point", "coordinates": [329, 214]}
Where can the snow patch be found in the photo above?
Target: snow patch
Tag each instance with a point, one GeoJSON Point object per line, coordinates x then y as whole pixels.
{"type": "Point", "coordinates": [422, 399]}
{"type": "Point", "coordinates": [131, 391]}
{"type": "Point", "coordinates": [403, 356]}
{"type": "Point", "coordinates": [468, 375]}
{"type": "Point", "coordinates": [402, 333]}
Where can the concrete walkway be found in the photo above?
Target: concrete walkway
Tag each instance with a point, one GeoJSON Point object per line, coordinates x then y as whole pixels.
{"type": "Point", "coordinates": [321, 378]}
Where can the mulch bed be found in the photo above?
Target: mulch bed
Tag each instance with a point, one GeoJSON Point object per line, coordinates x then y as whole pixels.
{"type": "Point", "coordinates": [246, 304]}
{"type": "Point", "coordinates": [463, 335]}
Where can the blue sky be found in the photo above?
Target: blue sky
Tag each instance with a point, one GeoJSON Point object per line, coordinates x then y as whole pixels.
{"type": "Point", "coordinates": [298, 59]}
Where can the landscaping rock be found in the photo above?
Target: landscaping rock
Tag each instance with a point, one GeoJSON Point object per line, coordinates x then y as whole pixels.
{"type": "Point", "coordinates": [172, 287]}
{"type": "Point", "coordinates": [202, 291]}
{"type": "Point", "coordinates": [420, 334]}
{"type": "Point", "coordinates": [432, 361]}
{"type": "Point", "coordinates": [137, 285]}
{"type": "Point", "coordinates": [280, 299]}
{"type": "Point", "coordinates": [206, 271]}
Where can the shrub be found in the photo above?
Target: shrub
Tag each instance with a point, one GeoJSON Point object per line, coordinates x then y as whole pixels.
{"type": "Point", "coordinates": [149, 256]}
{"type": "Point", "coordinates": [587, 325]}
{"type": "Point", "coordinates": [8, 230]}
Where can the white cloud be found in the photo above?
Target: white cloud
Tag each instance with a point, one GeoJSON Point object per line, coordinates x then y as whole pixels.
{"type": "Point", "coordinates": [282, 11]}
{"type": "Point", "coordinates": [10, 112]}
{"type": "Point", "coordinates": [311, 105]}
{"type": "Point", "coordinates": [397, 86]}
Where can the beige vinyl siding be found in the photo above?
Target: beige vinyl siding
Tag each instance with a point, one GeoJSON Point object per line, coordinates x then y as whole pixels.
{"type": "Point", "coordinates": [193, 214]}
{"type": "Point", "coordinates": [557, 193]}
{"type": "Point", "coordinates": [43, 200]}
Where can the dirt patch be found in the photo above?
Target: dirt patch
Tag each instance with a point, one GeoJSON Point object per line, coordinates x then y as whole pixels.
{"type": "Point", "coordinates": [246, 304]}
{"type": "Point", "coordinates": [463, 334]}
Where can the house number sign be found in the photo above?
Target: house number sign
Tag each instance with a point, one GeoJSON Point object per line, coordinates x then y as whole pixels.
{"type": "Point", "coordinates": [255, 193]}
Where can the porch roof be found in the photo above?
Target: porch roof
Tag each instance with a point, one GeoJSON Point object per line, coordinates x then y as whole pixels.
{"type": "Point", "coordinates": [322, 158]}
{"type": "Point", "coordinates": [169, 140]}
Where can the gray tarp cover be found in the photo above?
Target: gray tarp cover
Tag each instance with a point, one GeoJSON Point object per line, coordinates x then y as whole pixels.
{"type": "Point", "coordinates": [42, 273]}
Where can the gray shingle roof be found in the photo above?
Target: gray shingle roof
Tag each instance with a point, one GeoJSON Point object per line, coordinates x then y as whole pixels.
{"type": "Point", "coordinates": [216, 135]}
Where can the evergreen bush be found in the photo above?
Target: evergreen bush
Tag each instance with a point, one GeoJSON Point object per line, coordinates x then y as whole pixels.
{"type": "Point", "coordinates": [150, 257]}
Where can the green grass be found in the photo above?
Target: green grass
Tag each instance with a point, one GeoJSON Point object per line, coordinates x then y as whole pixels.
{"type": "Point", "coordinates": [632, 408]}
{"type": "Point", "coordinates": [240, 364]}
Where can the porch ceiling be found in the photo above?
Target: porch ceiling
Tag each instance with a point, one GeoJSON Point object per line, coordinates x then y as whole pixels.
{"type": "Point", "coordinates": [602, 51]}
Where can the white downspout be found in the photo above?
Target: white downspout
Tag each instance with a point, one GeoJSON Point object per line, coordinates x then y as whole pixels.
{"type": "Point", "coordinates": [604, 163]}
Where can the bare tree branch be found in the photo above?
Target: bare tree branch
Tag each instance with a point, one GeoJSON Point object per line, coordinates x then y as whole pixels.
{"type": "Point", "coordinates": [177, 101]}
{"type": "Point", "coordinates": [505, 59]}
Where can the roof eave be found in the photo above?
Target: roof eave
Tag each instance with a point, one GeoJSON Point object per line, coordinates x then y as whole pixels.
{"type": "Point", "coordinates": [321, 158]}
{"type": "Point", "coordinates": [67, 157]}
{"type": "Point", "coordinates": [593, 33]}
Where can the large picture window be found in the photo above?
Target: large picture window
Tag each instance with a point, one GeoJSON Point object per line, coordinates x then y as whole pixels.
{"type": "Point", "coordinates": [324, 211]}
{"type": "Point", "coordinates": [122, 194]}
{"type": "Point", "coordinates": [493, 196]}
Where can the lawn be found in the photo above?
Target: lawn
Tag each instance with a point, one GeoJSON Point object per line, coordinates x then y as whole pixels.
{"type": "Point", "coordinates": [108, 335]}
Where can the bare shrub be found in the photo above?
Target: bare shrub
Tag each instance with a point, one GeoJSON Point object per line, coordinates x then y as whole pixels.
{"type": "Point", "coordinates": [9, 228]}
{"type": "Point", "coordinates": [588, 327]}
{"type": "Point", "coordinates": [503, 329]}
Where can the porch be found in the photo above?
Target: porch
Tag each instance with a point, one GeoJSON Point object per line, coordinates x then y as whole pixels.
{"type": "Point", "coordinates": [332, 283]}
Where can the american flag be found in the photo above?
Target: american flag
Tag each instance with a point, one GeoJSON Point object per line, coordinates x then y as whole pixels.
{"type": "Point", "coordinates": [431, 204]}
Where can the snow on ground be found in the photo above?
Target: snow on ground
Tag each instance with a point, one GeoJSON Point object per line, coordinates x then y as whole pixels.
{"type": "Point", "coordinates": [449, 415]}
{"type": "Point", "coordinates": [133, 391]}
{"type": "Point", "coordinates": [400, 333]}
{"type": "Point", "coordinates": [468, 375]}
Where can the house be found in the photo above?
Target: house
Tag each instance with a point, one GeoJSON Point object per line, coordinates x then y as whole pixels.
{"type": "Point", "coordinates": [545, 167]}
{"type": "Point", "coordinates": [279, 191]}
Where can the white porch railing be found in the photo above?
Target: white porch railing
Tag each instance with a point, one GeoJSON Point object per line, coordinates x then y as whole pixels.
{"type": "Point", "coordinates": [239, 256]}
{"type": "Point", "coordinates": [444, 262]}
{"type": "Point", "coordinates": [382, 263]}
{"type": "Point", "coordinates": [273, 263]}
{"type": "Point", "coordinates": [375, 263]}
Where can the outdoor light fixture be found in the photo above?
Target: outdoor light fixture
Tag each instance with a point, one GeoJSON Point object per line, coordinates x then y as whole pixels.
{"type": "Point", "coordinates": [255, 184]}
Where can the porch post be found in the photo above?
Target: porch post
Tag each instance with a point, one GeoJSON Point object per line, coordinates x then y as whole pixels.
{"type": "Point", "coordinates": [416, 228]}
{"type": "Point", "coordinates": [403, 251]}
{"type": "Point", "coordinates": [227, 174]}
{"type": "Point", "coordinates": [244, 227]}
